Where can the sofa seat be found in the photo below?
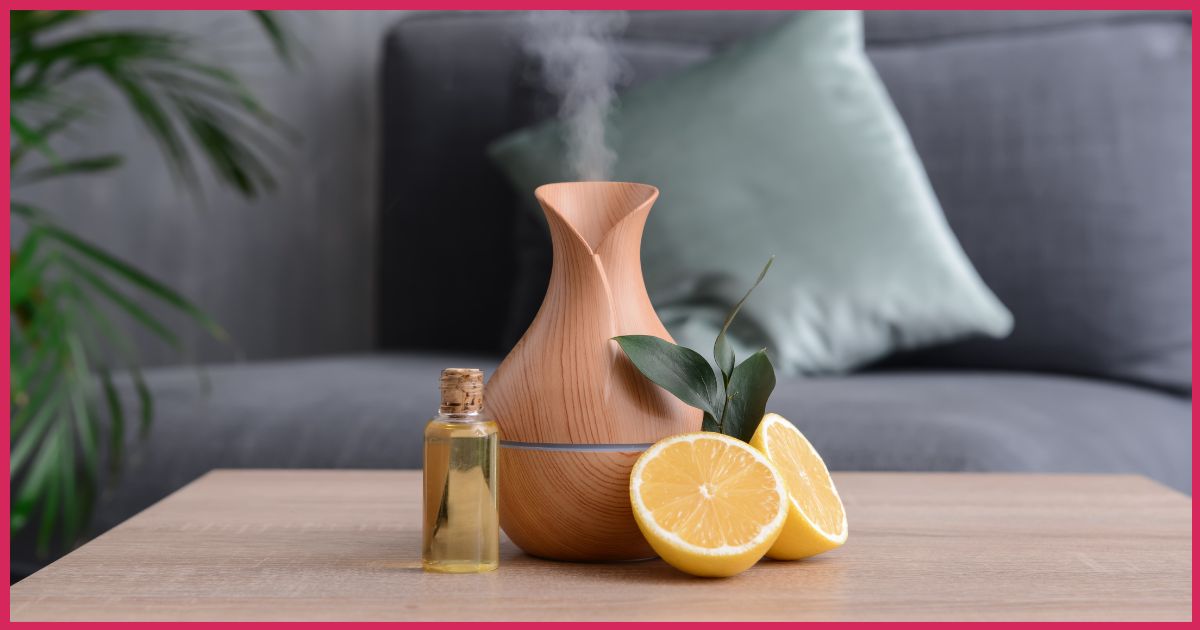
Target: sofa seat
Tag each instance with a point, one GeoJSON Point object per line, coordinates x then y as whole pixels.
{"type": "Point", "coordinates": [368, 411]}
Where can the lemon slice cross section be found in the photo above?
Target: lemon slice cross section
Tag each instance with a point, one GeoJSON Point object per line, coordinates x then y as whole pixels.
{"type": "Point", "coordinates": [709, 504]}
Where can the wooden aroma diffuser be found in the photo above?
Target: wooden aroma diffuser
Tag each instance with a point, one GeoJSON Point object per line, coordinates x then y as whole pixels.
{"type": "Point", "coordinates": [573, 412]}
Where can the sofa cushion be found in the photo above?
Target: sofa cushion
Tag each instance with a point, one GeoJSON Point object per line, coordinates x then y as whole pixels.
{"type": "Point", "coordinates": [992, 421]}
{"type": "Point", "coordinates": [1062, 157]}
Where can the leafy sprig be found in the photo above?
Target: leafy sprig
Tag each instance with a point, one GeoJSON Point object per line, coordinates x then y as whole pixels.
{"type": "Point", "coordinates": [733, 397]}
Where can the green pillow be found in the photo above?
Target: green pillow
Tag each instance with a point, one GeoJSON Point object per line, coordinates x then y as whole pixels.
{"type": "Point", "coordinates": [786, 145]}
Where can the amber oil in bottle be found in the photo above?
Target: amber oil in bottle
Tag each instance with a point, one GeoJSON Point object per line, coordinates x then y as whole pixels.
{"type": "Point", "coordinates": [461, 531]}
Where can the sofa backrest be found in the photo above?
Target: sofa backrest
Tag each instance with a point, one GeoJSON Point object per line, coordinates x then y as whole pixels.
{"type": "Point", "coordinates": [1061, 154]}
{"type": "Point", "coordinates": [1058, 143]}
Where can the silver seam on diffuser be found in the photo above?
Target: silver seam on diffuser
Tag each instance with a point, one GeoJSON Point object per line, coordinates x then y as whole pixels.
{"type": "Point", "coordinates": [586, 448]}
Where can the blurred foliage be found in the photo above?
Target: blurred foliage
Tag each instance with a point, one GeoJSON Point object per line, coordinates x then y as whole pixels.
{"type": "Point", "coordinates": [72, 303]}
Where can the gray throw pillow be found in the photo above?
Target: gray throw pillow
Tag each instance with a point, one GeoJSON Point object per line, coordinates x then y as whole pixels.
{"type": "Point", "coordinates": [786, 145]}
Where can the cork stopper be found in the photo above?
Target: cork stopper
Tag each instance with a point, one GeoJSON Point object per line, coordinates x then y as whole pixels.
{"type": "Point", "coordinates": [462, 390]}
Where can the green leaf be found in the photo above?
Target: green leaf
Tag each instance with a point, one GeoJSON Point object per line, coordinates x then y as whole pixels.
{"type": "Point", "coordinates": [25, 444]}
{"type": "Point", "coordinates": [72, 167]}
{"type": "Point", "coordinates": [219, 87]}
{"type": "Point", "coordinates": [710, 423]}
{"type": "Point", "coordinates": [279, 37]}
{"type": "Point", "coordinates": [127, 350]}
{"type": "Point", "coordinates": [73, 504]}
{"type": "Point", "coordinates": [750, 386]}
{"type": "Point", "coordinates": [722, 352]}
{"type": "Point", "coordinates": [233, 160]}
{"type": "Point", "coordinates": [36, 479]}
{"type": "Point", "coordinates": [121, 300]}
{"type": "Point", "coordinates": [130, 274]}
{"type": "Point", "coordinates": [679, 370]}
{"type": "Point", "coordinates": [28, 137]}
{"type": "Point", "coordinates": [45, 131]}
{"type": "Point", "coordinates": [116, 415]}
{"type": "Point", "coordinates": [51, 500]}
{"type": "Point", "coordinates": [156, 120]}
{"type": "Point", "coordinates": [145, 399]}
{"type": "Point", "coordinates": [169, 93]}
{"type": "Point", "coordinates": [27, 212]}
{"type": "Point", "coordinates": [52, 348]}
{"type": "Point", "coordinates": [26, 23]}
{"type": "Point", "coordinates": [80, 387]}
{"type": "Point", "coordinates": [724, 356]}
{"type": "Point", "coordinates": [28, 269]}
{"type": "Point", "coordinates": [25, 281]}
{"type": "Point", "coordinates": [106, 50]}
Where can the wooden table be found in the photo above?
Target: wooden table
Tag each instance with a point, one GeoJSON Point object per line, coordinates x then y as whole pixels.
{"type": "Point", "coordinates": [343, 545]}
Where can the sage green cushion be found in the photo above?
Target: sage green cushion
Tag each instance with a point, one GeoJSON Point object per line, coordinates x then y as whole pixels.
{"type": "Point", "coordinates": [786, 145]}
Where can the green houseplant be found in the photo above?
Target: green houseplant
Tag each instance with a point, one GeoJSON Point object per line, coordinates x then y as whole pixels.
{"type": "Point", "coordinates": [71, 302]}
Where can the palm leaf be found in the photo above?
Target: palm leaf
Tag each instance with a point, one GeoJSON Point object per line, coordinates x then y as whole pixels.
{"type": "Point", "coordinates": [52, 490]}
{"type": "Point", "coordinates": [72, 167]}
{"type": "Point", "coordinates": [26, 211]}
{"type": "Point", "coordinates": [40, 135]}
{"type": "Point", "coordinates": [35, 481]}
{"type": "Point", "coordinates": [128, 352]}
{"type": "Point", "coordinates": [157, 121]}
{"type": "Point", "coordinates": [80, 388]}
{"type": "Point", "coordinates": [49, 349]}
{"type": "Point", "coordinates": [28, 136]}
{"type": "Point", "coordinates": [145, 399]}
{"type": "Point", "coordinates": [279, 37]}
{"type": "Point", "coordinates": [27, 23]}
{"type": "Point", "coordinates": [38, 399]}
{"type": "Point", "coordinates": [119, 342]}
{"type": "Point", "coordinates": [25, 443]}
{"type": "Point", "coordinates": [72, 507]}
{"type": "Point", "coordinates": [127, 305]}
{"type": "Point", "coordinates": [116, 415]}
{"type": "Point", "coordinates": [197, 114]}
{"type": "Point", "coordinates": [27, 268]}
{"type": "Point", "coordinates": [143, 282]}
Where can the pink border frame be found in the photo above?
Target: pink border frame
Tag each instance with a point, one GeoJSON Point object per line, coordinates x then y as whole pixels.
{"type": "Point", "coordinates": [586, 4]}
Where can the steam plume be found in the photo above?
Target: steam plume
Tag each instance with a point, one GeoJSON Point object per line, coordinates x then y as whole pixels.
{"type": "Point", "coordinates": [580, 66]}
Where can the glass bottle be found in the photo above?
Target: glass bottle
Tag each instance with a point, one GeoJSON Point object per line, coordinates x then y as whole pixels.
{"type": "Point", "coordinates": [461, 531]}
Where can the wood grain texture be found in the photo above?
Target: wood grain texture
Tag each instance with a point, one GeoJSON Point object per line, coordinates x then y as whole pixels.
{"type": "Point", "coordinates": [574, 492]}
{"type": "Point", "coordinates": [345, 545]}
{"type": "Point", "coordinates": [566, 381]}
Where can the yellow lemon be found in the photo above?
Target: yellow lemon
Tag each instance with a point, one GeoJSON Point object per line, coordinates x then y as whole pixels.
{"type": "Point", "coordinates": [816, 520]}
{"type": "Point", "coordinates": [709, 504]}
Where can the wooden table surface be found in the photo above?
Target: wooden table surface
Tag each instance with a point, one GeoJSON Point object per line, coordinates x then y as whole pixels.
{"type": "Point", "coordinates": [344, 545]}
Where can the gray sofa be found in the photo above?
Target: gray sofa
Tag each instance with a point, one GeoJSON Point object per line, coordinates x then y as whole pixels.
{"type": "Point", "coordinates": [1058, 143]}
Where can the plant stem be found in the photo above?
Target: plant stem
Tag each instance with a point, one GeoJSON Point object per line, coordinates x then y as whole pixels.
{"type": "Point", "coordinates": [724, 410]}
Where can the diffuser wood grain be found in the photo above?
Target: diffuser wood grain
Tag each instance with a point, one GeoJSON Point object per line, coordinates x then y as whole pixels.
{"type": "Point", "coordinates": [345, 545]}
{"type": "Point", "coordinates": [567, 382]}
{"type": "Point", "coordinates": [576, 499]}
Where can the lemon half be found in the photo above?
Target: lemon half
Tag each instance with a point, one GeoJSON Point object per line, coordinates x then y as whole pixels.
{"type": "Point", "coordinates": [816, 519]}
{"type": "Point", "coordinates": [709, 504]}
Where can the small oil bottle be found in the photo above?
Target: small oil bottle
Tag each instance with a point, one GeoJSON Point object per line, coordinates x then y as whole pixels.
{"type": "Point", "coordinates": [461, 524]}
